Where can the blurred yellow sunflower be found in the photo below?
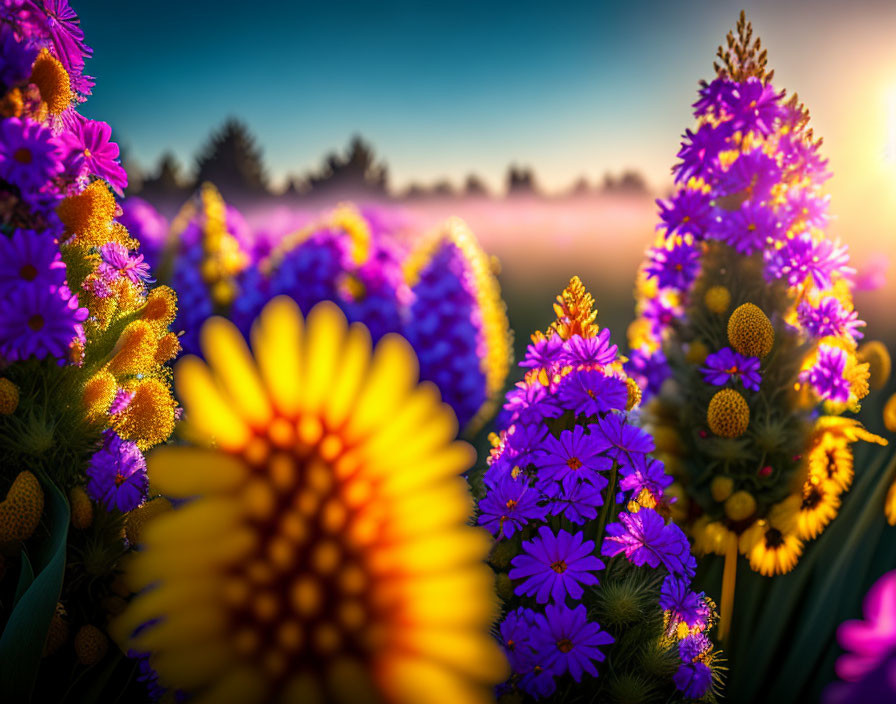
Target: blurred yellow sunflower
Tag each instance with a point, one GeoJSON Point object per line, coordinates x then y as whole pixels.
{"type": "Point", "coordinates": [326, 556]}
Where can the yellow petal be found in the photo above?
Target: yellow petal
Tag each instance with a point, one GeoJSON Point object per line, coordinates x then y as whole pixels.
{"type": "Point", "coordinates": [206, 406]}
{"type": "Point", "coordinates": [276, 342]}
{"type": "Point", "coordinates": [352, 371]}
{"type": "Point", "coordinates": [229, 358]}
{"type": "Point", "coordinates": [182, 472]}
{"type": "Point", "coordinates": [406, 677]}
{"type": "Point", "coordinates": [326, 328]}
{"type": "Point", "coordinates": [238, 686]}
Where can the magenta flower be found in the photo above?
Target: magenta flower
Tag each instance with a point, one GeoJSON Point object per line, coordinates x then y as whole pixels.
{"type": "Point", "coordinates": [571, 641]}
{"type": "Point", "coordinates": [543, 353]}
{"type": "Point", "coordinates": [65, 30]}
{"type": "Point", "coordinates": [644, 472]}
{"type": "Point", "coordinates": [868, 643]}
{"type": "Point", "coordinates": [117, 262]}
{"type": "Point", "coordinates": [676, 267]}
{"type": "Point", "coordinates": [801, 257]}
{"type": "Point", "coordinates": [572, 457]}
{"type": "Point", "coordinates": [555, 566]}
{"type": "Point", "coordinates": [727, 364]}
{"type": "Point", "coordinates": [686, 212]}
{"type": "Point", "coordinates": [30, 155]}
{"type": "Point", "coordinates": [826, 375]}
{"type": "Point", "coordinates": [91, 152]}
{"type": "Point", "coordinates": [589, 350]}
{"type": "Point", "coordinates": [830, 318]}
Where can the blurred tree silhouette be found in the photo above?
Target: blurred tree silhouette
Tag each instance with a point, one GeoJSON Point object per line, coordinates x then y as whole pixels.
{"type": "Point", "coordinates": [520, 181]}
{"type": "Point", "coordinates": [357, 173]}
{"type": "Point", "coordinates": [166, 184]}
{"type": "Point", "coordinates": [475, 187]}
{"type": "Point", "coordinates": [232, 161]}
{"type": "Point", "coordinates": [630, 182]}
{"type": "Point", "coordinates": [580, 188]}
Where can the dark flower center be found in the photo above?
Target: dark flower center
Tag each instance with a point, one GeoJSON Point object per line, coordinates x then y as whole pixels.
{"type": "Point", "coordinates": [36, 322]}
{"type": "Point", "coordinates": [574, 463]}
{"type": "Point", "coordinates": [564, 645]}
{"type": "Point", "coordinates": [812, 499]}
{"type": "Point", "coordinates": [686, 218]}
{"type": "Point", "coordinates": [510, 504]}
{"type": "Point", "coordinates": [731, 370]}
{"type": "Point", "coordinates": [22, 155]}
{"type": "Point", "coordinates": [559, 567]}
{"type": "Point", "coordinates": [119, 479]}
{"type": "Point", "coordinates": [28, 272]}
{"type": "Point", "coordinates": [751, 227]}
{"type": "Point", "coordinates": [832, 464]}
{"type": "Point", "coordinates": [774, 539]}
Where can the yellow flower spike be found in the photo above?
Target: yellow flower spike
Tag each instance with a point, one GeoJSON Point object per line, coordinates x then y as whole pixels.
{"type": "Point", "coordinates": [877, 356]}
{"type": "Point", "coordinates": [20, 511]}
{"type": "Point", "coordinates": [168, 348]}
{"type": "Point", "coordinates": [231, 363]}
{"type": "Point", "coordinates": [575, 311]}
{"type": "Point", "coordinates": [634, 394]}
{"type": "Point", "coordinates": [370, 512]}
{"type": "Point", "coordinates": [98, 394]}
{"type": "Point", "coordinates": [728, 415]}
{"type": "Point", "coordinates": [88, 214]}
{"type": "Point", "coordinates": [53, 82]}
{"type": "Point", "coordinates": [9, 397]}
{"type": "Point", "coordinates": [135, 351]}
{"type": "Point", "coordinates": [750, 332]}
{"type": "Point", "coordinates": [149, 417]}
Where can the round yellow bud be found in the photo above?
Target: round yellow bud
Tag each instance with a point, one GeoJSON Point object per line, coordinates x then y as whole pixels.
{"type": "Point", "coordinates": [717, 299]}
{"type": "Point", "coordinates": [728, 414]}
{"type": "Point", "coordinates": [697, 352]}
{"type": "Point", "coordinates": [21, 510]}
{"type": "Point", "coordinates": [9, 397]}
{"type": "Point", "coordinates": [876, 355]}
{"type": "Point", "coordinates": [91, 644]}
{"type": "Point", "coordinates": [740, 505]}
{"type": "Point", "coordinates": [667, 440]}
{"type": "Point", "coordinates": [721, 488]}
{"type": "Point", "coordinates": [890, 414]}
{"type": "Point", "coordinates": [750, 332]}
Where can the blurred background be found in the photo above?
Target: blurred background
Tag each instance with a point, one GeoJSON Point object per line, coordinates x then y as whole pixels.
{"type": "Point", "coordinates": [550, 128]}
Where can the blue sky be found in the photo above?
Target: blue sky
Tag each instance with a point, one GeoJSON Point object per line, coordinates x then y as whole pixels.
{"type": "Point", "coordinates": [442, 89]}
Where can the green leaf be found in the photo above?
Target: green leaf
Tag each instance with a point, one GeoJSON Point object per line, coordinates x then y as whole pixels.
{"type": "Point", "coordinates": [26, 577]}
{"type": "Point", "coordinates": [22, 642]}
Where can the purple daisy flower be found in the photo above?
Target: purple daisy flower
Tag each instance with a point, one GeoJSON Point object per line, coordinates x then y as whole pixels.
{"type": "Point", "coordinates": [801, 257]}
{"type": "Point", "coordinates": [92, 152]}
{"type": "Point", "coordinates": [571, 457]}
{"type": "Point", "coordinates": [693, 647]}
{"type": "Point", "coordinates": [64, 29]}
{"type": "Point", "coordinates": [543, 353]}
{"type": "Point", "coordinates": [531, 403]}
{"type": "Point", "coordinates": [39, 321]}
{"type": "Point", "coordinates": [509, 505]}
{"type": "Point", "coordinates": [624, 439]}
{"type": "Point", "coordinates": [830, 318]}
{"type": "Point", "coordinates": [117, 262]}
{"type": "Point", "coordinates": [726, 363]}
{"type": "Point", "coordinates": [29, 258]}
{"type": "Point", "coordinates": [750, 227]}
{"type": "Point", "coordinates": [754, 106]}
{"type": "Point", "coordinates": [826, 375]}
{"type": "Point", "coordinates": [688, 212]}
{"type": "Point", "coordinates": [693, 679]}
{"type": "Point", "coordinates": [753, 174]}
{"type": "Point", "coordinates": [644, 472]}
{"type": "Point", "coordinates": [16, 58]}
{"type": "Point", "coordinates": [676, 596]}
{"type": "Point", "coordinates": [591, 392]}
{"type": "Point", "coordinates": [517, 630]}
{"type": "Point", "coordinates": [867, 643]}
{"type": "Point", "coordinates": [660, 312]}
{"type": "Point", "coordinates": [649, 370]}
{"type": "Point", "coordinates": [580, 503]}
{"type": "Point", "coordinates": [555, 566]}
{"type": "Point", "coordinates": [578, 350]}
{"type": "Point", "coordinates": [807, 207]}
{"type": "Point", "coordinates": [674, 268]}
{"type": "Point", "coordinates": [700, 149]}
{"type": "Point", "coordinates": [713, 96]}
{"type": "Point", "coordinates": [645, 538]}
{"type": "Point", "coordinates": [29, 154]}
{"type": "Point", "coordinates": [572, 641]}
{"type": "Point", "coordinates": [117, 474]}
{"type": "Point", "coordinates": [523, 442]}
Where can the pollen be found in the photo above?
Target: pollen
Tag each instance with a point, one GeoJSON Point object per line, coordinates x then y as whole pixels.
{"type": "Point", "coordinates": [88, 214]}
{"type": "Point", "coordinates": [168, 348]}
{"type": "Point", "coordinates": [98, 394]}
{"type": "Point", "coordinates": [717, 299]}
{"type": "Point", "coordinates": [728, 414]}
{"type": "Point", "coordinates": [575, 311]}
{"type": "Point", "coordinates": [136, 350]}
{"type": "Point", "coordinates": [160, 308]}
{"type": "Point", "coordinates": [750, 332]}
{"type": "Point", "coordinates": [51, 78]}
{"type": "Point", "coordinates": [634, 394]}
{"type": "Point", "coordinates": [9, 397]}
{"type": "Point", "coordinates": [149, 418]}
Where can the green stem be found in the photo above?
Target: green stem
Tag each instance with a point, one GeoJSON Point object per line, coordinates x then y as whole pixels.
{"type": "Point", "coordinates": [611, 500]}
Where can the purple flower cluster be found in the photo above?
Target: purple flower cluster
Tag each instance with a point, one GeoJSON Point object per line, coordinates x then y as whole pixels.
{"type": "Point", "coordinates": [569, 455]}
{"type": "Point", "coordinates": [117, 474]}
{"type": "Point", "coordinates": [748, 176]}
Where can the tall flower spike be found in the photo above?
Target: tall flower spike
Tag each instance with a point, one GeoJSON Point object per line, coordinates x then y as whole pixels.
{"type": "Point", "coordinates": [324, 555]}
{"type": "Point", "coordinates": [761, 343]}
{"type": "Point", "coordinates": [595, 581]}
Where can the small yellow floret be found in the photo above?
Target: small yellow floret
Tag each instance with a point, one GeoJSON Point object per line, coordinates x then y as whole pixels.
{"type": "Point", "coordinates": [168, 348]}
{"type": "Point", "coordinates": [728, 414]}
{"type": "Point", "coordinates": [750, 332]}
{"type": "Point", "coordinates": [51, 78]}
{"type": "Point", "coordinates": [98, 394]}
{"type": "Point", "coordinates": [9, 397]}
{"type": "Point", "coordinates": [740, 505]}
{"type": "Point", "coordinates": [149, 417]}
{"type": "Point", "coordinates": [876, 355]}
{"type": "Point", "coordinates": [136, 349]}
{"type": "Point", "coordinates": [20, 511]}
{"type": "Point", "coordinates": [721, 488]}
{"type": "Point", "coordinates": [717, 299]}
{"type": "Point", "coordinates": [634, 393]}
{"type": "Point", "coordinates": [160, 308]}
{"type": "Point", "coordinates": [88, 214]}
{"type": "Point", "coordinates": [82, 508]}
